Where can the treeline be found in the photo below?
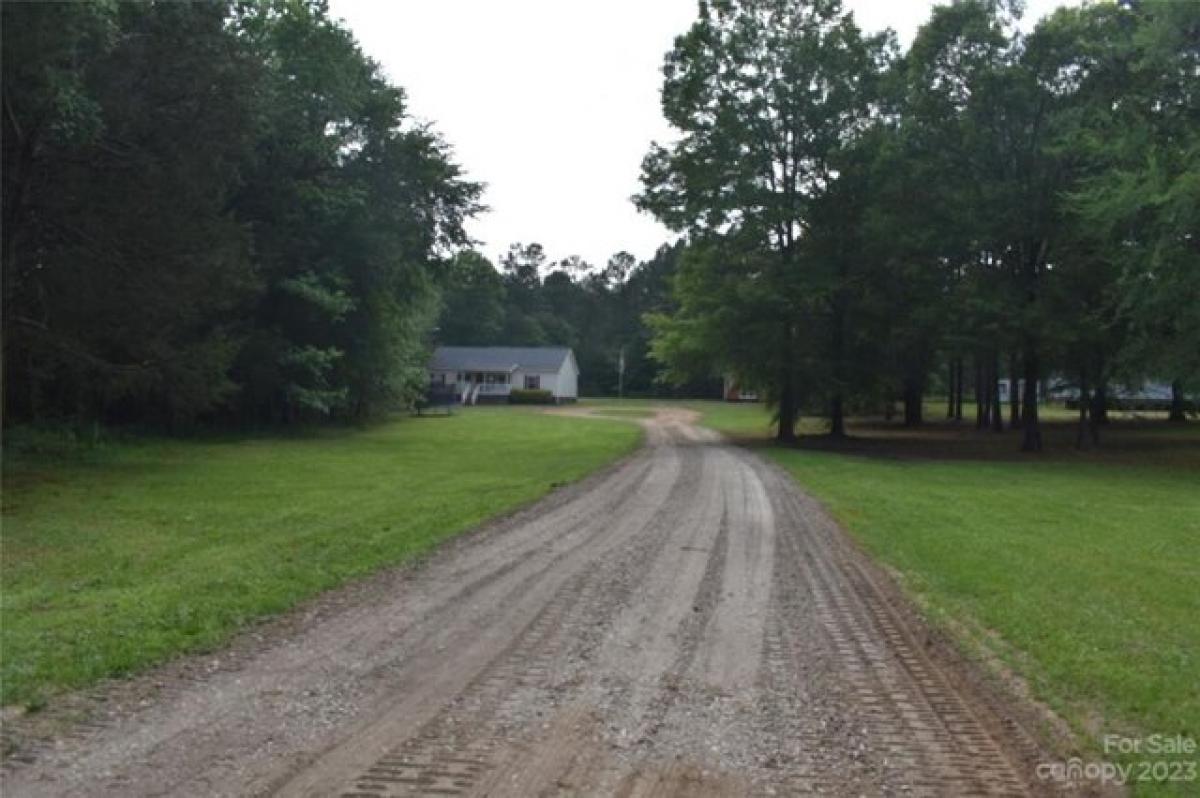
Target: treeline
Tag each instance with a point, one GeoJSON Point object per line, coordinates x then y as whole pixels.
{"type": "Point", "coordinates": [214, 211]}
{"type": "Point", "coordinates": [598, 311]}
{"type": "Point", "coordinates": [865, 225]}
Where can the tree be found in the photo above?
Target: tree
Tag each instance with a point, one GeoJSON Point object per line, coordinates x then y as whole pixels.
{"type": "Point", "coordinates": [1140, 201]}
{"type": "Point", "coordinates": [214, 210]}
{"type": "Point", "coordinates": [523, 264]}
{"type": "Point", "coordinates": [763, 92]}
{"type": "Point", "coordinates": [619, 267]}
{"type": "Point", "coordinates": [472, 301]}
{"type": "Point", "coordinates": [647, 291]}
{"type": "Point", "coordinates": [930, 221]}
{"type": "Point", "coordinates": [352, 207]}
{"type": "Point", "coordinates": [124, 271]}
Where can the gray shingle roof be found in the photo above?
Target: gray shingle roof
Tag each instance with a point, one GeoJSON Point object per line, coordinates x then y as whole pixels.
{"type": "Point", "coordinates": [498, 358]}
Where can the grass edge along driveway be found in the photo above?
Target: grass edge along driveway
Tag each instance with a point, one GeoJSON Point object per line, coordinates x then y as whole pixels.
{"type": "Point", "coordinates": [151, 548]}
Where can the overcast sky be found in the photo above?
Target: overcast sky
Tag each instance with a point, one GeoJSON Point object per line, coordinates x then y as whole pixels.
{"type": "Point", "coordinates": [553, 103]}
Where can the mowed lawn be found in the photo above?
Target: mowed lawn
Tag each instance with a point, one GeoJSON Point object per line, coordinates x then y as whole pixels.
{"type": "Point", "coordinates": [1089, 574]}
{"type": "Point", "coordinates": [149, 548]}
{"type": "Point", "coordinates": [1080, 571]}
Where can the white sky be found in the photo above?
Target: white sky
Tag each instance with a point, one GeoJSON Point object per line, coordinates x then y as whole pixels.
{"type": "Point", "coordinates": [553, 103]}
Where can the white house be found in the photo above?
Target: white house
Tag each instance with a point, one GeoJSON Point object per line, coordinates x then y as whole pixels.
{"type": "Point", "coordinates": [488, 373]}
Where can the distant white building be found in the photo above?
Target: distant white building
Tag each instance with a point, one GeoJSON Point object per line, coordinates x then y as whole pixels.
{"type": "Point", "coordinates": [1147, 394]}
{"type": "Point", "coordinates": [481, 374]}
{"type": "Point", "coordinates": [1003, 384]}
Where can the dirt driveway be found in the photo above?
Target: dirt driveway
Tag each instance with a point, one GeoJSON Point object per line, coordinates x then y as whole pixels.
{"type": "Point", "coordinates": [686, 623]}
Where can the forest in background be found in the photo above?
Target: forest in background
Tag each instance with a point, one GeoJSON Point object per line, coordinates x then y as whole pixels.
{"type": "Point", "coordinates": [600, 312]}
{"type": "Point", "coordinates": [223, 213]}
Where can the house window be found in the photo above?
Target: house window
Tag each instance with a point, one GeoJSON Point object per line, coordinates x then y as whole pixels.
{"type": "Point", "coordinates": [533, 382]}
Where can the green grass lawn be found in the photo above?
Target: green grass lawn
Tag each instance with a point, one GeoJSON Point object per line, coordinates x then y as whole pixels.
{"type": "Point", "coordinates": [1081, 571]}
{"type": "Point", "coordinates": [1089, 573]}
{"type": "Point", "coordinates": [148, 548]}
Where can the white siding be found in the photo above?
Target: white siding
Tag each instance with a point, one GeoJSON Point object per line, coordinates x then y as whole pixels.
{"type": "Point", "coordinates": [546, 380]}
{"type": "Point", "coordinates": [563, 384]}
{"type": "Point", "coordinates": [567, 379]}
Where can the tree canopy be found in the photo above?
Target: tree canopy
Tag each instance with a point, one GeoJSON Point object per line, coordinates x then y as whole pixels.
{"type": "Point", "coordinates": [861, 220]}
{"type": "Point", "coordinates": [214, 210]}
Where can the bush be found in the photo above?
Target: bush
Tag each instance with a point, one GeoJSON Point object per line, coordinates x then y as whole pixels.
{"type": "Point", "coordinates": [523, 396]}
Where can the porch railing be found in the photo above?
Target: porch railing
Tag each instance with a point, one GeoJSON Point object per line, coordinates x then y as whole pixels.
{"type": "Point", "coordinates": [493, 388]}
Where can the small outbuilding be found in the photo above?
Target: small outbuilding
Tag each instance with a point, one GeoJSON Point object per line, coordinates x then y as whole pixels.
{"type": "Point", "coordinates": [482, 374]}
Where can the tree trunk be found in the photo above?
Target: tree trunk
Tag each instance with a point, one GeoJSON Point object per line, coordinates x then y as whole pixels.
{"type": "Point", "coordinates": [980, 396]}
{"type": "Point", "coordinates": [837, 420]}
{"type": "Point", "coordinates": [787, 411]}
{"type": "Point", "coordinates": [950, 391]}
{"type": "Point", "coordinates": [997, 405]}
{"type": "Point", "coordinates": [1082, 433]}
{"type": "Point", "coordinates": [1177, 414]}
{"type": "Point", "coordinates": [1034, 258]}
{"type": "Point", "coordinates": [1032, 439]}
{"type": "Point", "coordinates": [913, 397]}
{"type": "Point", "coordinates": [1014, 401]}
{"type": "Point", "coordinates": [35, 395]}
{"type": "Point", "coordinates": [1099, 412]}
{"type": "Point", "coordinates": [958, 390]}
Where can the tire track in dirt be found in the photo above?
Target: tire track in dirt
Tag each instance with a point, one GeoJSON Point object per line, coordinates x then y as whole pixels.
{"type": "Point", "coordinates": [655, 597]}
{"type": "Point", "coordinates": [922, 730]}
{"type": "Point", "coordinates": [689, 623]}
{"type": "Point", "coordinates": [538, 669]}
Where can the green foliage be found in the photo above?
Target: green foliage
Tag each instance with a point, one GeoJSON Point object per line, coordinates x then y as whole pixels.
{"type": "Point", "coordinates": [473, 296]}
{"type": "Point", "coordinates": [530, 396]}
{"type": "Point", "coordinates": [123, 269]}
{"type": "Point", "coordinates": [858, 220]}
{"type": "Point", "coordinates": [765, 94]}
{"type": "Point", "coordinates": [1140, 199]}
{"type": "Point", "coordinates": [224, 212]}
{"type": "Point", "coordinates": [214, 211]}
{"type": "Point", "coordinates": [166, 546]}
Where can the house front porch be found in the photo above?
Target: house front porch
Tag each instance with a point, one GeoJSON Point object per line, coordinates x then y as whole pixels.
{"type": "Point", "coordinates": [477, 387]}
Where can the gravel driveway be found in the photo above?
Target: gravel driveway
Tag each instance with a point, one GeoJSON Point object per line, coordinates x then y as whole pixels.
{"type": "Point", "coordinates": [686, 623]}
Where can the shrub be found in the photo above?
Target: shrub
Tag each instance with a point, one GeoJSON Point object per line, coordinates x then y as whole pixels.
{"type": "Point", "coordinates": [524, 396]}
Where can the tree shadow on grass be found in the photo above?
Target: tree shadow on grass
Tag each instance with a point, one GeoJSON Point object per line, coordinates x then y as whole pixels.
{"type": "Point", "coordinates": [1141, 443]}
